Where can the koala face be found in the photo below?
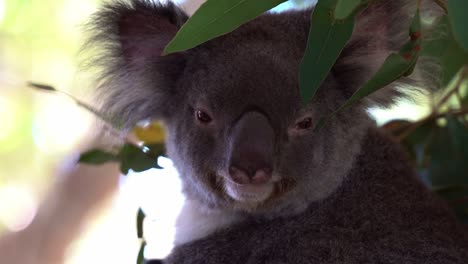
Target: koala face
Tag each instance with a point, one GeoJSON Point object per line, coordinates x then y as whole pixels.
{"type": "Point", "coordinates": [237, 132]}
{"type": "Point", "coordinates": [250, 153]}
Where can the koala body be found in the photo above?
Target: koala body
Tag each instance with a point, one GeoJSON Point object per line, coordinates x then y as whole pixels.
{"type": "Point", "coordinates": [379, 214]}
{"type": "Point", "coordinates": [261, 185]}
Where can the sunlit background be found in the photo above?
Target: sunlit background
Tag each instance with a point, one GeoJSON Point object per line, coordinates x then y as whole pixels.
{"type": "Point", "coordinates": [39, 132]}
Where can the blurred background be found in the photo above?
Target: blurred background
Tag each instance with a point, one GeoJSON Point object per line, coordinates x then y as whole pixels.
{"type": "Point", "coordinates": [41, 134]}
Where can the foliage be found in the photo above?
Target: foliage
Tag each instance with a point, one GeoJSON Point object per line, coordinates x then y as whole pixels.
{"type": "Point", "coordinates": [140, 219]}
{"type": "Point", "coordinates": [224, 16]}
{"type": "Point", "coordinates": [326, 41]}
{"type": "Point", "coordinates": [395, 66]}
{"type": "Point", "coordinates": [139, 153]}
{"type": "Point", "coordinates": [438, 144]}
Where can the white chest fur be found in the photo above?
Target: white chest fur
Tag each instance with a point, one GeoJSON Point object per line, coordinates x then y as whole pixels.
{"type": "Point", "coordinates": [195, 222]}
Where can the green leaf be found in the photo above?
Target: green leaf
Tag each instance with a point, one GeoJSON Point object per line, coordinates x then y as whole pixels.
{"type": "Point", "coordinates": [327, 38]}
{"type": "Point", "coordinates": [96, 157]}
{"type": "Point", "coordinates": [464, 91]}
{"type": "Point", "coordinates": [156, 150]}
{"type": "Point", "coordinates": [458, 9]}
{"type": "Point", "coordinates": [134, 158]}
{"type": "Point", "coordinates": [449, 153]}
{"type": "Point", "coordinates": [440, 43]}
{"type": "Point", "coordinates": [395, 66]}
{"type": "Point", "coordinates": [419, 139]}
{"type": "Point", "coordinates": [141, 253]}
{"type": "Point", "coordinates": [345, 7]}
{"type": "Point", "coordinates": [459, 134]}
{"type": "Point", "coordinates": [40, 86]}
{"type": "Point", "coordinates": [140, 218]}
{"type": "Point", "coordinates": [215, 18]}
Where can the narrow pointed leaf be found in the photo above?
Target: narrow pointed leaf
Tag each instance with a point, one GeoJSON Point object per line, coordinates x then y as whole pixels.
{"type": "Point", "coordinates": [440, 43]}
{"type": "Point", "coordinates": [133, 158]}
{"type": "Point", "coordinates": [140, 219]}
{"type": "Point", "coordinates": [327, 38]}
{"type": "Point", "coordinates": [96, 157]}
{"type": "Point", "coordinates": [141, 253]}
{"type": "Point", "coordinates": [344, 8]}
{"type": "Point", "coordinates": [215, 18]}
{"type": "Point", "coordinates": [41, 86]}
{"type": "Point", "coordinates": [457, 13]}
{"type": "Point", "coordinates": [395, 66]}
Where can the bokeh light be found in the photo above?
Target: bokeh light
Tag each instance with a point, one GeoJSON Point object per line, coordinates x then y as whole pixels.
{"type": "Point", "coordinates": [18, 207]}
{"type": "Point", "coordinates": [2, 10]}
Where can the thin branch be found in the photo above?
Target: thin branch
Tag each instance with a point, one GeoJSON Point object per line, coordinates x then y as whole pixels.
{"type": "Point", "coordinates": [108, 124]}
{"type": "Point", "coordinates": [434, 116]}
{"type": "Point", "coordinates": [442, 5]}
{"type": "Point", "coordinates": [463, 75]}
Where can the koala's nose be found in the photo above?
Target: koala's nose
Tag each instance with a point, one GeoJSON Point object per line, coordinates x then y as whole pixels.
{"type": "Point", "coordinates": [251, 174]}
{"type": "Point", "coordinates": [251, 149]}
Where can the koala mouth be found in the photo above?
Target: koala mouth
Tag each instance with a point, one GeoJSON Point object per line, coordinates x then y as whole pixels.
{"type": "Point", "coordinates": [250, 196]}
{"type": "Point", "coordinates": [249, 193]}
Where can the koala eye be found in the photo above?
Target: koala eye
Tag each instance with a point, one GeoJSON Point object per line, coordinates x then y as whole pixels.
{"type": "Point", "coordinates": [304, 124]}
{"type": "Point", "coordinates": [203, 117]}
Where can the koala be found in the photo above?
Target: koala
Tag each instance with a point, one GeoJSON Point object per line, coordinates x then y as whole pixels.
{"type": "Point", "coordinates": [261, 185]}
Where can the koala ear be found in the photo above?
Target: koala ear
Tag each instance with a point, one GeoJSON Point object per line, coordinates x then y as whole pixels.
{"type": "Point", "coordinates": [137, 82]}
{"type": "Point", "coordinates": [144, 28]}
{"type": "Point", "coordinates": [380, 30]}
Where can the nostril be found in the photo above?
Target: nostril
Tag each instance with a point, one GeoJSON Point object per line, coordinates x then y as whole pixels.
{"type": "Point", "coordinates": [252, 175]}
{"type": "Point", "coordinates": [261, 176]}
{"type": "Point", "coordinates": [238, 175]}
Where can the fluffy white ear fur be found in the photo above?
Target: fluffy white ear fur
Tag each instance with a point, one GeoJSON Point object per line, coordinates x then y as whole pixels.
{"type": "Point", "coordinates": [196, 222]}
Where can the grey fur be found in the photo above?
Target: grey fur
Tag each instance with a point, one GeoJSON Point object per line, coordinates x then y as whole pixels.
{"type": "Point", "coordinates": [380, 214]}
{"type": "Point", "coordinates": [345, 193]}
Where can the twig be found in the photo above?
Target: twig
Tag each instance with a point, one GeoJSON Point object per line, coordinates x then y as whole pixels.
{"type": "Point", "coordinates": [414, 126]}
{"type": "Point", "coordinates": [109, 125]}
{"type": "Point", "coordinates": [442, 5]}
{"type": "Point", "coordinates": [463, 75]}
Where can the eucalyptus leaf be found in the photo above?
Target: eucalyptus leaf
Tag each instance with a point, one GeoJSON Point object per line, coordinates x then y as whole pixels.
{"type": "Point", "coordinates": [156, 149]}
{"type": "Point", "coordinates": [417, 142]}
{"type": "Point", "coordinates": [41, 86]}
{"type": "Point", "coordinates": [344, 8]}
{"type": "Point", "coordinates": [440, 44]}
{"type": "Point", "coordinates": [215, 18]}
{"type": "Point", "coordinates": [395, 66]}
{"type": "Point", "coordinates": [133, 158]}
{"type": "Point", "coordinates": [97, 156]}
{"type": "Point", "coordinates": [327, 38]}
{"type": "Point", "coordinates": [457, 12]}
{"type": "Point", "coordinates": [449, 153]}
{"type": "Point", "coordinates": [140, 219]}
{"type": "Point", "coordinates": [141, 253]}
{"type": "Point", "coordinates": [459, 133]}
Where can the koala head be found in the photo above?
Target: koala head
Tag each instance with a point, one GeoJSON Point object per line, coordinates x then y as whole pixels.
{"type": "Point", "coordinates": [237, 132]}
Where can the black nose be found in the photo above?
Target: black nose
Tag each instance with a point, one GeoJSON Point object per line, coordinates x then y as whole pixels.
{"type": "Point", "coordinates": [251, 149]}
